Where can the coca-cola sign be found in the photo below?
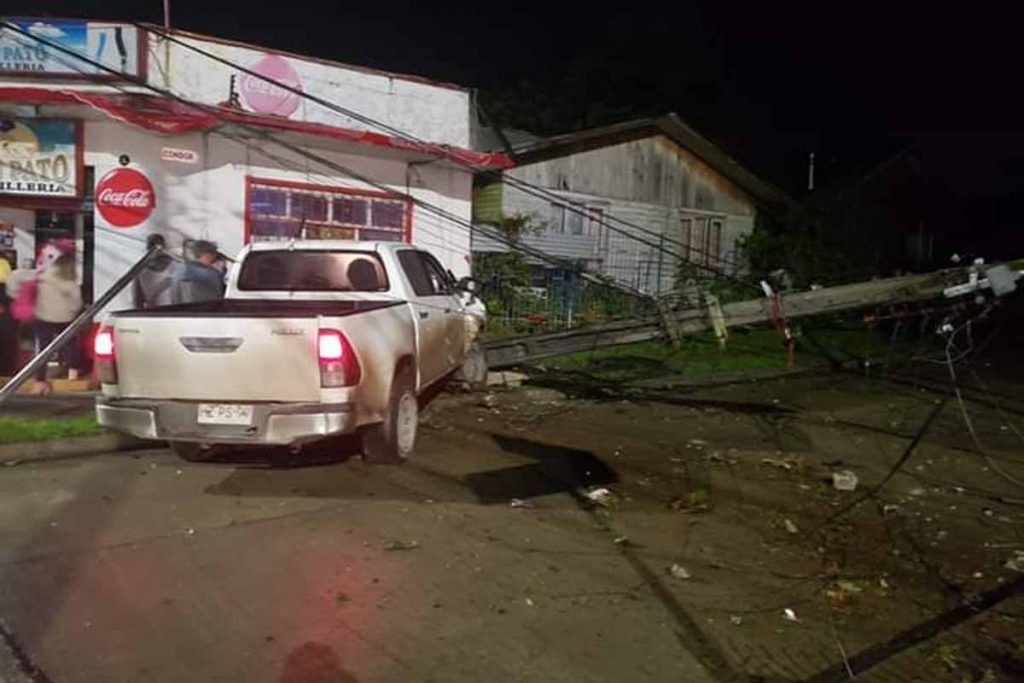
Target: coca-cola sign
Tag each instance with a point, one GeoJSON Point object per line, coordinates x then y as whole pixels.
{"type": "Point", "coordinates": [125, 197]}
{"type": "Point", "coordinates": [264, 95]}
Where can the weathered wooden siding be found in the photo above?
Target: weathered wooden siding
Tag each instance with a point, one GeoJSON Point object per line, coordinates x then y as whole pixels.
{"type": "Point", "coordinates": [571, 247]}
{"type": "Point", "coordinates": [639, 259]}
{"type": "Point", "coordinates": [654, 170]}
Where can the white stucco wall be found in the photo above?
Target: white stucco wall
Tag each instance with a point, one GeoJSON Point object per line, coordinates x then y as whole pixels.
{"type": "Point", "coordinates": [207, 199]}
{"type": "Point", "coordinates": [430, 112]}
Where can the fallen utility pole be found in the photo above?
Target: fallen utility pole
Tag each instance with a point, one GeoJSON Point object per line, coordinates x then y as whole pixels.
{"type": "Point", "coordinates": [1001, 279]}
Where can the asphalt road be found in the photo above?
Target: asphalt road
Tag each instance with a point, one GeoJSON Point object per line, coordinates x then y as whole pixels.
{"type": "Point", "coordinates": [138, 566]}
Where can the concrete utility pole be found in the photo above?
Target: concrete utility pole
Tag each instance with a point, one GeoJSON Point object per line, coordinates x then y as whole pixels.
{"type": "Point", "coordinates": [810, 173]}
{"type": "Point", "coordinates": [167, 13]}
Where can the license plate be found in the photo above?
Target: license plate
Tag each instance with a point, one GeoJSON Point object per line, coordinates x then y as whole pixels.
{"type": "Point", "coordinates": [224, 414]}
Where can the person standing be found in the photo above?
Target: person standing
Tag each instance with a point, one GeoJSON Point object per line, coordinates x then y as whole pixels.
{"type": "Point", "coordinates": [152, 287]}
{"type": "Point", "coordinates": [58, 302]}
{"type": "Point", "coordinates": [8, 326]}
{"type": "Point", "coordinates": [198, 280]}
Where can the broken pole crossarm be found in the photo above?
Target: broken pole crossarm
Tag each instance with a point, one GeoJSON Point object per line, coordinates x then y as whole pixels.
{"type": "Point", "coordinates": [69, 332]}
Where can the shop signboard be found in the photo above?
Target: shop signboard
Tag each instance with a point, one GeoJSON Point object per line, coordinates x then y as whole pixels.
{"type": "Point", "coordinates": [46, 47]}
{"type": "Point", "coordinates": [40, 157]}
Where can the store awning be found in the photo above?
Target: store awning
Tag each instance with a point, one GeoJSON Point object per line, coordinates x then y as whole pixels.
{"type": "Point", "coordinates": [171, 117]}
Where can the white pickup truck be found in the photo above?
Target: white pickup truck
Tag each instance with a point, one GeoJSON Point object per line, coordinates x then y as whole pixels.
{"type": "Point", "coordinates": [312, 339]}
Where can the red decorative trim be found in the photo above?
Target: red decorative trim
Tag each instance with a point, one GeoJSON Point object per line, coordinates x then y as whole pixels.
{"type": "Point", "coordinates": [408, 221]}
{"type": "Point", "coordinates": [80, 158]}
{"type": "Point", "coordinates": [314, 187]}
{"type": "Point", "coordinates": [169, 117]}
{"type": "Point", "coordinates": [247, 228]}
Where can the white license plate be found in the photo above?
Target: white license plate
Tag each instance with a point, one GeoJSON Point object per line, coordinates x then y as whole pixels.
{"type": "Point", "coordinates": [224, 414]}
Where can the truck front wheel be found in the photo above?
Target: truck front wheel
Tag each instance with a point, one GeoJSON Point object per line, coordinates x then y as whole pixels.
{"type": "Point", "coordinates": [392, 441]}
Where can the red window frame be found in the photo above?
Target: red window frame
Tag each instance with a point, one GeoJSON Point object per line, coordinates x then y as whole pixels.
{"type": "Point", "coordinates": [327, 189]}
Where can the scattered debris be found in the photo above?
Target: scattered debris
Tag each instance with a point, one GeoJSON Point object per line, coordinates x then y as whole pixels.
{"type": "Point", "coordinates": [520, 503]}
{"type": "Point", "coordinates": [697, 443]}
{"type": "Point", "coordinates": [917, 491]}
{"type": "Point", "coordinates": [622, 541]}
{"type": "Point", "coordinates": [340, 598]}
{"type": "Point", "coordinates": [844, 480]}
{"type": "Point", "coordinates": [789, 615]}
{"type": "Point", "coordinates": [694, 502]}
{"type": "Point", "coordinates": [678, 571]}
{"type": "Point", "coordinates": [790, 527]}
{"type": "Point", "coordinates": [602, 496]}
{"type": "Point", "coordinates": [401, 545]}
{"type": "Point", "coordinates": [191, 531]}
{"type": "Point", "coordinates": [736, 620]}
{"type": "Point", "coordinates": [787, 464]}
{"type": "Point", "coordinates": [529, 602]}
{"type": "Point", "coordinates": [11, 463]}
{"type": "Point", "coordinates": [1017, 562]}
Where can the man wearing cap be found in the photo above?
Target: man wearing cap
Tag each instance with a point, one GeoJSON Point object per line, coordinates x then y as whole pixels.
{"type": "Point", "coordinates": [198, 280]}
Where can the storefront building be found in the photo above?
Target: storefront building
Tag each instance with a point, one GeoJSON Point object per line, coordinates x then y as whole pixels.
{"type": "Point", "coordinates": [189, 140]}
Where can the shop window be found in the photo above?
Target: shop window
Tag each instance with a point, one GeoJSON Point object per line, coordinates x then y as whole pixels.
{"type": "Point", "coordinates": [280, 212]}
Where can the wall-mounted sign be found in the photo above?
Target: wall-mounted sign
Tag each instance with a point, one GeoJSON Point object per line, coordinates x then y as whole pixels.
{"type": "Point", "coordinates": [115, 46]}
{"type": "Point", "coordinates": [265, 97]}
{"type": "Point", "coordinates": [184, 156]}
{"type": "Point", "coordinates": [39, 157]}
{"type": "Point", "coordinates": [125, 197]}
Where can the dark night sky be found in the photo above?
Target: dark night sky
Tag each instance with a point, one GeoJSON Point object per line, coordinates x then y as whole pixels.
{"type": "Point", "coordinates": [853, 82]}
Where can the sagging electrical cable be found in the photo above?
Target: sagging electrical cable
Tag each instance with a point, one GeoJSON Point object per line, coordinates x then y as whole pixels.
{"type": "Point", "coordinates": [209, 110]}
{"type": "Point", "coordinates": [524, 186]}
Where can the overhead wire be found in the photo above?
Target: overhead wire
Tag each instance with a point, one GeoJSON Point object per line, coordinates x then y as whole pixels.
{"type": "Point", "coordinates": [524, 186]}
{"type": "Point", "coordinates": [427, 206]}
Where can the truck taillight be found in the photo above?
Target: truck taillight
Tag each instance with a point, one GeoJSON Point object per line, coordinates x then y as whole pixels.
{"type": "Point", "coordinates": [106, 365]}
{"type": "Point", "coordinates": [338, 364]}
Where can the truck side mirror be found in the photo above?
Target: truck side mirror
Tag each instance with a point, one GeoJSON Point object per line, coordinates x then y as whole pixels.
{"type": "Point", "coordinates": [466, 284]}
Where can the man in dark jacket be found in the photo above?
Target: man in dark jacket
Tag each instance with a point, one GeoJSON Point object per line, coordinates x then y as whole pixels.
{"type": "Point", "coordinates": [152, 287]}
{"type": "Point", "coordinates": [198, 280]}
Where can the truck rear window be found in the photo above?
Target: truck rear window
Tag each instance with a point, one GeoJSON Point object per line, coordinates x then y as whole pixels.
{"type": "Point", "coordinates": [312, 271]}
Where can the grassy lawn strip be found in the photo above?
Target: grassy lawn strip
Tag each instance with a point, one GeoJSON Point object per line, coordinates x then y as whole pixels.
{"type": "Point", "coordinates": [14, 429]}
{"type": "Point", "coordinates": [700, 355]}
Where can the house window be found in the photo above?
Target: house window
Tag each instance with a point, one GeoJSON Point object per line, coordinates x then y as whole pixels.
{"type": "Point", "coordinates": [713, 243]}
{"type": "Point", "coordinates": [567, 220]}
{"type": "Point", "coordinates": [282, 211]}
{"type": "Point", "coordinates": [595, 228]}
{"type": "Point", "coordinates": [702, 239]}
{"type": "Point", "coordinates": [686, 231]}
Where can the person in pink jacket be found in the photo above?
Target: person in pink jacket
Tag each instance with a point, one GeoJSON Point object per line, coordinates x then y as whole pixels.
{"type": "Point", "coordinates": [58, 302]}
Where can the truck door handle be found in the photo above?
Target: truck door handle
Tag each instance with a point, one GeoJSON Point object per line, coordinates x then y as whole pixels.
{"type": "Point", "coordinates": [424, 315]}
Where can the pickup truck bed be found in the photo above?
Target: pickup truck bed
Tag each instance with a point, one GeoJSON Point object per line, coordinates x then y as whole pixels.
{"type": "Point", "coordinates": [276, 363]}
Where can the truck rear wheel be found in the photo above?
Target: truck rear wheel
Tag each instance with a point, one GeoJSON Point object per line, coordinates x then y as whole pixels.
{"type": "Point", "coordinates": [194, 452]}
{"type": "Point", "coordinates": [393, 440]}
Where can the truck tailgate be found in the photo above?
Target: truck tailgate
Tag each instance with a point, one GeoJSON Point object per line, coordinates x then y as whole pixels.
{"type": "Point", "coordinates": [217, 358]}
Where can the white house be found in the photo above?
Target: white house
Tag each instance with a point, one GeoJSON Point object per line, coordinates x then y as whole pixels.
{"type": "Point", "coordinates": [93, 148]}
{"type": "Point", "coordinates": [629, 201]}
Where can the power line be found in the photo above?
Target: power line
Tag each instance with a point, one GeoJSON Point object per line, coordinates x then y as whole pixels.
{"type": "Point", "coordinates": [206, 109]}
{"type": "Point", "coordinates": [524, 186]}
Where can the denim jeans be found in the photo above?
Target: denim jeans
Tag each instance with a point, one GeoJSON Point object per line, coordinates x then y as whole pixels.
{"type": "Point", "coordinates": [45, 333]}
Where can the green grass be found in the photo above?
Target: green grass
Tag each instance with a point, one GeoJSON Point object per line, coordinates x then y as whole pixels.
{"type": "Point", "coordinates": [701, 356]}
{"type": "Point", "coordinates": [15, 429]}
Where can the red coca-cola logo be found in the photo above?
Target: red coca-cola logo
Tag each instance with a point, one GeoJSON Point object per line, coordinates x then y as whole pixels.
{"type": "Point", "coordinates": [125, 197]}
